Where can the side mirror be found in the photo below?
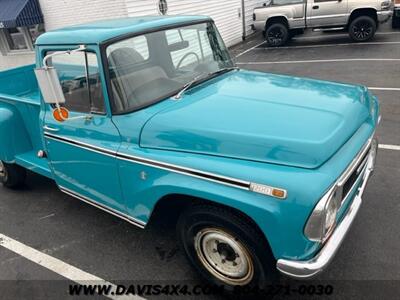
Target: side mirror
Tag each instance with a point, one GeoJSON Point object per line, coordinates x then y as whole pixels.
{"type": "Point", "coordinates": [268, 3]}
{"type": "Point", "coordinates": [50, 85]}
{"type": "Point", "coordinates": [51, 89]}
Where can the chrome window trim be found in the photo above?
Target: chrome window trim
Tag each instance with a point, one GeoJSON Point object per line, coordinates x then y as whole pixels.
{"type": "Point", "coordinates": [228, 181]}
{"type": "Point", "coordinates": [112, 211]}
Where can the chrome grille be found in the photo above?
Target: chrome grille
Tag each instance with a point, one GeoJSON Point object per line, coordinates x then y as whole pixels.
{"type": "Point", "coordinates": [351, 181]}
{"type": "Point", "coordinates": [354, 171]}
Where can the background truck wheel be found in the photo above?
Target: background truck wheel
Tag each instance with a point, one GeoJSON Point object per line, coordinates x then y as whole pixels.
{"type": "Point", "coordinates": [225, 248]}
{"type": "Point", "coordinates": [12, 175]}
{"type": "Point", "coordinates": [362, 29]}
{"type": "Point", "coordinates": [276, 34]}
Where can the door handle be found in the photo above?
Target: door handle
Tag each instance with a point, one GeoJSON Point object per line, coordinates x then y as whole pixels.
{"type": "Point", "coordinates": [45, 127]}
{"type": "Point", "coordinates": [315, 7]}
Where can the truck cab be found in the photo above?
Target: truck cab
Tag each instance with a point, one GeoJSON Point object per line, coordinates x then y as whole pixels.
{"type": "Point", "coordinates": [282, 19]}
{"type": "Point", "coordinates": [150, 115]}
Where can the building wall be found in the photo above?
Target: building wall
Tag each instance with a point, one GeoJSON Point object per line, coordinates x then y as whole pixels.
{"type": "Point", "coordinates": [15, 60]}
{"type": "Point", "coordinates": [226, 14]}
{"type": "Point", "coordinates": [61, 13]}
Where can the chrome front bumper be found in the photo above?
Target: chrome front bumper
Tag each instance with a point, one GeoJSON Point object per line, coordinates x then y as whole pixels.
{"type": "Point", "coordinates": [384, 15]}
{"type": "Point", "coordinates": [259, 25]}
{"type": "Point", "coordinates": [309, 268]}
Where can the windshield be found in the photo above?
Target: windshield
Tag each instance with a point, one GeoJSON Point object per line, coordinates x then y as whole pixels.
{"type": "Point", "coordinates": [151, 67]}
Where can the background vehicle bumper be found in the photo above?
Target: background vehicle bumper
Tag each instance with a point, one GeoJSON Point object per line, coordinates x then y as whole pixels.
{"type": "Point", "coordinates": [384, 16]}
{"type": "Point", "coordinates": [259, 25]}
{"type": "Point", "coordinates": [309, 268]}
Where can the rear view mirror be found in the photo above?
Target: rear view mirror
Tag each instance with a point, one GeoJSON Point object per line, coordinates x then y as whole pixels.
{"type": "Point", "coordinates": [178, 46]}
{"type": "Point", "coordinates": [49, 85]}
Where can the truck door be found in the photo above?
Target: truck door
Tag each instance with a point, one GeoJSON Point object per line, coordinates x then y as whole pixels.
{"type": "Point", "coordinates": [81, 148]}
{"type": "Point", "coordinates": [321, 13]}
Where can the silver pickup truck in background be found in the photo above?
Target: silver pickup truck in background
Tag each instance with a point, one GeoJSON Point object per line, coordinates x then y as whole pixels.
{"type": "Point", "coordinates": [280, 20]}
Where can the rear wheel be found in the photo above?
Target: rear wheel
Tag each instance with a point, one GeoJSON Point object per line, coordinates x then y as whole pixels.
{"type": "Point", "coordinates": [277, 34]}
{"type": "Point", "coordinates": [225, 248]}
{"type": "Point", "coordinates": [362, 29]}
{"type": "Point", "coordinates": [12, 175]}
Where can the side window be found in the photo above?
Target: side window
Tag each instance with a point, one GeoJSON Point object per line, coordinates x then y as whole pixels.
{"type": "Point", "coordinates": [198, 45]}
{"type": "Point", "coordinates": [80, 80]}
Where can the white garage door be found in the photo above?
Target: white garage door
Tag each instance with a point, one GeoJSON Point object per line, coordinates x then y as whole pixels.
{"type": "Point", "coordinates": [226, 14]}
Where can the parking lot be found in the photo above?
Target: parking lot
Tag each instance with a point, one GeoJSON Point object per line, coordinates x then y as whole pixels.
{"type": "Point", "coordinates": [76, 241]}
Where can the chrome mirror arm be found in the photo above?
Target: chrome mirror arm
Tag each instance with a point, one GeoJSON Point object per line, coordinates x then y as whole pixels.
{"type": "Point", "coordinates": [46, 58]}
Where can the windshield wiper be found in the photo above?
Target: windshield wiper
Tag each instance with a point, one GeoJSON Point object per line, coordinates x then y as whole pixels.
{"type": "Point", "coordinates": [199, 78]}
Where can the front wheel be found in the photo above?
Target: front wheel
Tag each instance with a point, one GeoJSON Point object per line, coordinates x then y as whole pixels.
{"type": "Point", "coordinates": [225, 248]}
{"type": "Point", "coordinates": [362, 29]}
{"type": "Point", "coordinates": [12, 175]}
{"type": "Point", "coordinates": [277, 35]}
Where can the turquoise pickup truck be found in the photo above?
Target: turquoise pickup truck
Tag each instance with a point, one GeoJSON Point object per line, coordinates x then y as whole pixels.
{"type": "Point", "coordinates": [262, 173]}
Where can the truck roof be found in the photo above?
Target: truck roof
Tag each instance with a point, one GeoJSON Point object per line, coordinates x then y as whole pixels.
{"type": "Point", "coordinates": [100, 31]}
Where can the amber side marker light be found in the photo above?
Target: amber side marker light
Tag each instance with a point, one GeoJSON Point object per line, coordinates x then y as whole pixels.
{"type": "Point", "coordinates": [60, 114]}
{"type": "Point", "coordinates": [278, 193]}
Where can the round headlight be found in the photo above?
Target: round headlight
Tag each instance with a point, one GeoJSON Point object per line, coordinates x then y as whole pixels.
{"type": "Point", "coordinates": [331, 211]}
{"type": "Point", "coordinates": [323, 218]}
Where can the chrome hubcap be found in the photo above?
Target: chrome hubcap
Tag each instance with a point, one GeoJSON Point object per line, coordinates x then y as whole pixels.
{"type": "Point", "coordinates": [224, 256]}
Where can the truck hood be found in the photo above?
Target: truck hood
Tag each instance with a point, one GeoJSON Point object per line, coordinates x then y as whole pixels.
{"type": "Point", "coordinates": [261, 117]}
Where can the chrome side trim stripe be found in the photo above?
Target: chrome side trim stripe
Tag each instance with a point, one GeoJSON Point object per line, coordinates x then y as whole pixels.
{"type": "Point", "coordinates": [157, 164]}
{"type": "Point", "coordinates": [229, 181]}
{"type": "Point", "coordinates": [114, 212]}
{"type": "Point", "coordinates": [328, 16]}
{"type": "Point", "coordinates": [80, 144]}
{"type": "Point", "coordinates": [187, 171]}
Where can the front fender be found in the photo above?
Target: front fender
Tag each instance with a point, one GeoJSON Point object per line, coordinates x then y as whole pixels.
{"type": "Point", "coordinates": [13, 134]}
{"type": "Point", "coordinates": [281, 221]}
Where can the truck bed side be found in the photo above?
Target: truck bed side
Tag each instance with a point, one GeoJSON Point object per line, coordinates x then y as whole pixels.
{"type": "Point", "coordinates": [20, 135]}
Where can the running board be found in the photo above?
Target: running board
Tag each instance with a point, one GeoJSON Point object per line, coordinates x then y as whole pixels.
{"type": "Point", "coordinates": [328, 29]}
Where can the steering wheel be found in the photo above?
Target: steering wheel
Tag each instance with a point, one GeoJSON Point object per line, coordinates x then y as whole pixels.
{"type": "Point", "coordinates": [187, 55]}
